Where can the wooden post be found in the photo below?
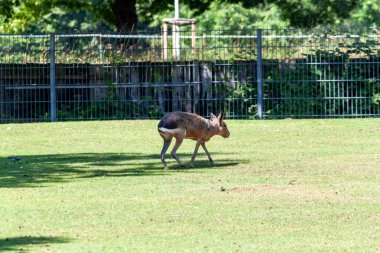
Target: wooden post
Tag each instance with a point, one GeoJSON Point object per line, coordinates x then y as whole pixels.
{"type": "Point", "coordinates": [207, 86]}
{"type": "Point", "coordinates": [193, 38]}
{"type": "Point", "coordinates": [176, 42]}
{"type": "Point", "coordinates": [176, 24]}
{"type": "Point", "coordinates": [177, 93]}
{"type": "Point", "coordinates": [159, 91]}
{"type": "Point", "coordinates": [135, 81]}
{"type": "Point", "coordinates": [165, 41]}
{"type": "Point", "coordinates": [189, 87]}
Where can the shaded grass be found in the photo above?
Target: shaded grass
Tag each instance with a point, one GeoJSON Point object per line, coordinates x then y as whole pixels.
{"type": "Point", "coordinates": [25, 242]}
{"type": "Point", "coordinates": [282, 186]}
{"type": "Point", "coordinates": [39, 169]}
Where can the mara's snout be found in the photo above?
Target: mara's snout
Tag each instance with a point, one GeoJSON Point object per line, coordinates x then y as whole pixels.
{"type": "Point", "coordinates": [184, 125]}
{"type": "Point", "coordinates": [224, 130]}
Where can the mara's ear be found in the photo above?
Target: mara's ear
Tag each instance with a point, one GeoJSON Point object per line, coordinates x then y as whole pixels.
{"type": "Point", "coordinates": [221, 117]}
{"type": "Point", "coordinates": [212, 116]}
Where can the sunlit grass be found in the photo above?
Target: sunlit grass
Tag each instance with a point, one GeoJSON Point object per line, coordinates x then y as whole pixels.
{"type": "Point", "coordinates": [277, 186]}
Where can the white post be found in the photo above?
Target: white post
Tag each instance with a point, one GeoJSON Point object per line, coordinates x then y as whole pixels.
{"type": "Point", "coordinates": [176, 9]}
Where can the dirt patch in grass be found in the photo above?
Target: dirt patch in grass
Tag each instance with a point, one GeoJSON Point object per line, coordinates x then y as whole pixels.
{"type": "Point", "coordinates": [293, 191]}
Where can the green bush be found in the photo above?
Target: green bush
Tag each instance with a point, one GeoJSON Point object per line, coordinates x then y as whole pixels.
{"type": "Point", "coordinates": [323, 83]}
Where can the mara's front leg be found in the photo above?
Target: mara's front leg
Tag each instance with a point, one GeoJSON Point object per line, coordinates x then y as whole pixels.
{"type": "Point", "coordinates": [191, 165]}
{"type": "Point", "coordinates": [207, 153]}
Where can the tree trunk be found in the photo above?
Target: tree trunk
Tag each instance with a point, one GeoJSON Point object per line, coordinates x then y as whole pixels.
{"type": "Point", "coordinates": [135, 81]}
{"type": "Point", "coordinates": [177, 90]}
{"type": "Point", "coordinates": [125, 14]}
{"type": "Point", "coordinates": [188, 88]}
{"type": "Point", "coordinates": [197, 87]}
{"type": "Point", "coordinates": [206, 88]}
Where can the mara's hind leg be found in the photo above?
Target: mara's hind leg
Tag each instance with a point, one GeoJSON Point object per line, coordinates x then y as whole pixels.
{"type": "Point", "coordinates": [167, 142]}
{"type": "Point", "coordinates": [178, 143]}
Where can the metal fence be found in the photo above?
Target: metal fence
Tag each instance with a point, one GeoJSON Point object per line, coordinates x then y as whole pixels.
{"type": "Point", "coordinates": [245, 73]}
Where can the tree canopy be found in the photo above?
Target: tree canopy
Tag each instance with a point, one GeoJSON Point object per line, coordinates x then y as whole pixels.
{"type": "Point", "coordinates": [124, 15]}
{"type": "Point", "coordinates": [63, 15]}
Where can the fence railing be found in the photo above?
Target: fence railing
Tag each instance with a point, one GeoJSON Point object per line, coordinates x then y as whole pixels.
{"type": "Point", "coordinates": [248, 74]}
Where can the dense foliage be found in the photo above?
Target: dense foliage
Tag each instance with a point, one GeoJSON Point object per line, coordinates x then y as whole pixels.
{"type": "Point", "coordinates": [120, 15]}
{"type": "Point", "coordinates": [66, 15]}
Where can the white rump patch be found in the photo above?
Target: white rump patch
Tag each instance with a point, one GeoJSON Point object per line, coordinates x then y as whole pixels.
{"type": "Point", "coordinates": [170, 131]}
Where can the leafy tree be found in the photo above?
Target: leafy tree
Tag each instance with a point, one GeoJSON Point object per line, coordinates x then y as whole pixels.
{"type": "Point", "coordinates": [211, 14]}
{"type": "Point", "coordinates": [221, 16]}
{"type": "Point", "coordinates": [367, 13]}
{"type": "Point", "coordinates": [311, 13]}
{"type": "Point", "coordinates": [121, 15]}
{"type": "Point", "coordinates": [224, 15]}
{"type": "Point", "coordinates": [61, 15]}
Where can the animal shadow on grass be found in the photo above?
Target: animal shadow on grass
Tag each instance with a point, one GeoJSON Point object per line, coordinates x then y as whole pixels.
{"type": "Point", "coordinates": [22, 243]}
{"type": "Point", "coordinates": [37, 170]}
{"type": "Point", "coordinates": [199, 164]}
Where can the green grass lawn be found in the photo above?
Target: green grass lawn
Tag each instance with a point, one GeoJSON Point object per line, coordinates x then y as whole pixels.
{"type": "Point", "coordinates": [277, 186]}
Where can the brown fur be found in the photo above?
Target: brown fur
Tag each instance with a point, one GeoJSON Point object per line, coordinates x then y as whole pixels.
{"type": "Point", "coordinates": [184, 125]}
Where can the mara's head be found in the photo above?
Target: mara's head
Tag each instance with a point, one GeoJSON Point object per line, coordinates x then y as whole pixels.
{"type": "Point", "coordinates": [223, 130]}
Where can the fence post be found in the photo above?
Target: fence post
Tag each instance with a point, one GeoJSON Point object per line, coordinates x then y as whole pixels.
{"type": "Point", "coordinates": [52, 78]}
{"type": "Point", "coordinates": [259, 76]}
